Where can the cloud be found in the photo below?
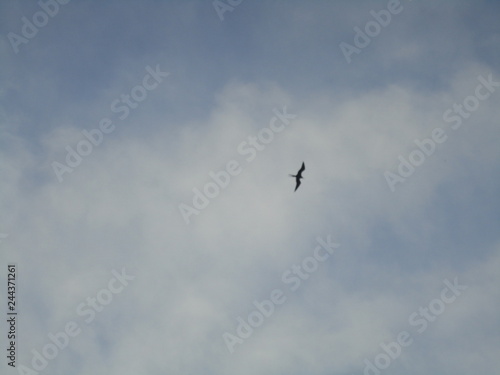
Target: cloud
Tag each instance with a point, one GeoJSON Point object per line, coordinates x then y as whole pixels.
{"type": "Point", "coordinates": [119, 207]}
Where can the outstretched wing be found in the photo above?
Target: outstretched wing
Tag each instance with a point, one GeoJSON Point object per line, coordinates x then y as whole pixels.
{"type": "Point", "coordinates": [302, 168]}
{"type": "Point", "coordinates": [298, 183]}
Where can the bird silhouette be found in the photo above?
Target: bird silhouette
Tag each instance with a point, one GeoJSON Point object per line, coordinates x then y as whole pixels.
{"type": "Point", "coordinates": [298, 176]}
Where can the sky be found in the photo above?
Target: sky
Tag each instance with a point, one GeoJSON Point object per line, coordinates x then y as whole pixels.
{"type": "Point", "coordinates": [150, 219]}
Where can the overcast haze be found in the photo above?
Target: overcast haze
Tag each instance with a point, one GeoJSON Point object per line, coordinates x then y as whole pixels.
{"type": "Point", "coordinates": [399, 136]}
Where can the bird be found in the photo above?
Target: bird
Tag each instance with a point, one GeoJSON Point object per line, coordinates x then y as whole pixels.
{"type": "Point", "coordinates": [298, 176]}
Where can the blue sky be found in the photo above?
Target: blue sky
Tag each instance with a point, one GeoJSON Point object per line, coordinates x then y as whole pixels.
{"type": "Point", "coordinates": [193, 277]}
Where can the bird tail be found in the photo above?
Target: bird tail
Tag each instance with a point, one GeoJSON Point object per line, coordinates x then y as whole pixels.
{"type": "Point", "coordinates": [291, 175]}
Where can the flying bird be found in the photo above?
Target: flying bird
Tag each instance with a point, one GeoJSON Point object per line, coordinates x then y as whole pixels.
{"type": "Point", "coordinates": [298, 176]}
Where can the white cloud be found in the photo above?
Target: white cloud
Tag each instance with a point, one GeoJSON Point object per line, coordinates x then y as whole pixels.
{"type": "Point", "coordinates": [119, 208]}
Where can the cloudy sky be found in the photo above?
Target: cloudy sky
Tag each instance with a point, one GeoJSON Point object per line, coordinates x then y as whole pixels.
{"type": "Point", "coordinates": [145, 153]}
